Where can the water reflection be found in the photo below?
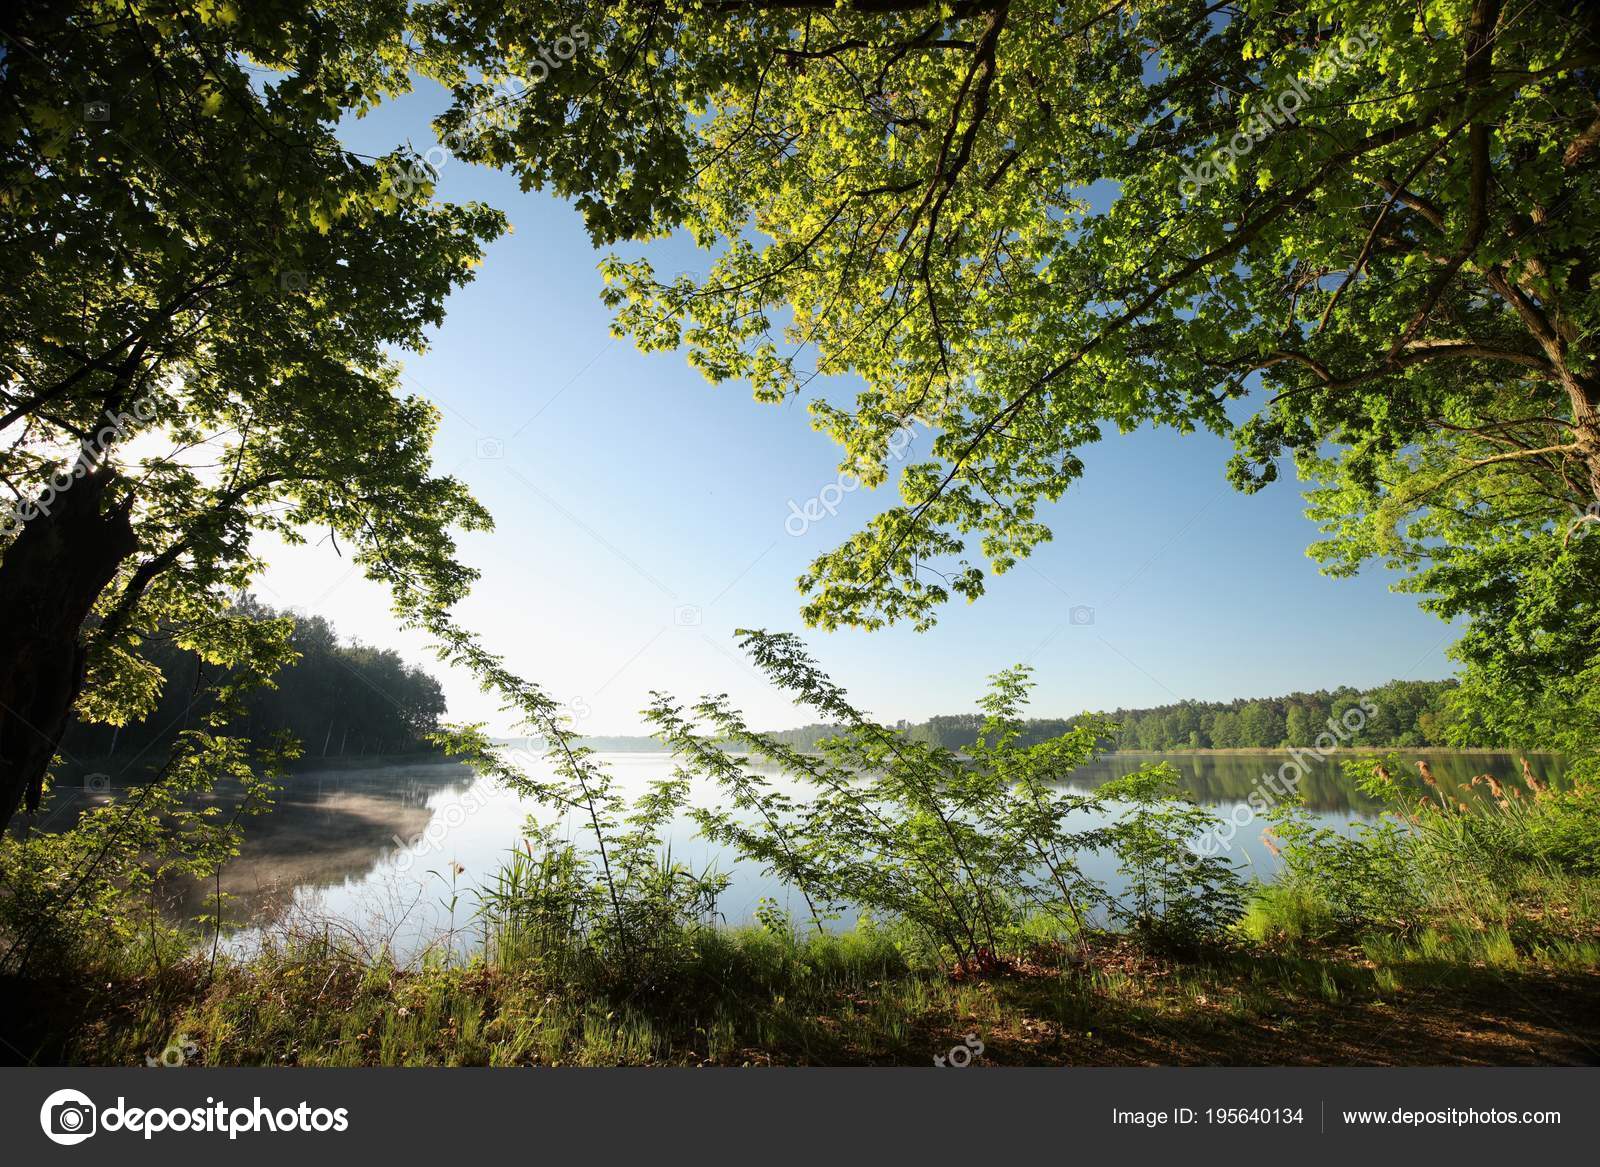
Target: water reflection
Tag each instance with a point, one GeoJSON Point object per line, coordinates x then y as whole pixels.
{"type": "Point", "coordinates": [1225, 779]}
{"type": "Point", "coordinates": [327, 830]}
{"type": "Point", "coordinates": [375, 850]}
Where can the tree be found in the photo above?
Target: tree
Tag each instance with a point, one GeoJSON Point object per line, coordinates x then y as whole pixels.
{"type": "Point", "coordinates": [1356, 232]}
{"type": "Point", "coordinates": [1226, 732]}
{"type": "Point", "coordinates": [1301, 726]}
{"type": "Point", "coordinates": [1261, 725]}
{"type": "Point", "coordinates": [193, 260]}
{"type": "Point", "coordinates": [1182, 726]}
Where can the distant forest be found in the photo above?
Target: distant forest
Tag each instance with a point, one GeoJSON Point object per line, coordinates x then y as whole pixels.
{"type": "Point", "coordinates": [342, 700]}
{"type": "Point", "coordinates": [338, 699]}
{"type": "Point", "coordinates": [1409, 714]}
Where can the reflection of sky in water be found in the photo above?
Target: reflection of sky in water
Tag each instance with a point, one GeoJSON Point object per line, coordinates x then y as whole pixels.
{"type": "Point", "coordinates": [371, 852]}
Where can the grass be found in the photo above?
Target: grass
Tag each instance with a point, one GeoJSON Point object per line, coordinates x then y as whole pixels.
{"type": "Point", "coordinates": [1440, 995]}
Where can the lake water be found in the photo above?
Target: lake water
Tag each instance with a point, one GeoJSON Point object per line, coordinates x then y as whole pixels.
{"type": "Point", "coordinates": [372, 852]}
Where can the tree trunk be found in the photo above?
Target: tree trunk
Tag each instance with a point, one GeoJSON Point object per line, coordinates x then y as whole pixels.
{"type": "Point", "coordinates": [1585, 397]}
{"type": "Point", "coordinates": [50, 577]}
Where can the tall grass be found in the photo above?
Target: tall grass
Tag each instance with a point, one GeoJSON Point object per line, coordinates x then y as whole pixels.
{"type": "Point", "coordinates": [1496, 875]}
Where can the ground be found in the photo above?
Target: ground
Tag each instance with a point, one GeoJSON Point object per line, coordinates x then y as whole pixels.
{"type": "Point", "coordinates": [1112, 1003]}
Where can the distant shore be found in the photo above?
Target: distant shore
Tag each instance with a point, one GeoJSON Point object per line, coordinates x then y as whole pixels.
{"type": "Point", "coordinates": [1463, 750]}
{"type": "Point", "coordinates": [619, 745]}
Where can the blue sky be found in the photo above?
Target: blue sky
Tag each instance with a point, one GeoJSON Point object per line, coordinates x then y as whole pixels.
{"type": "Point", "coordinates": [641, 515]}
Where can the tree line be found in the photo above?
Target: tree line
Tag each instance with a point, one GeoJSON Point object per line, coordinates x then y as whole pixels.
{"type": "Point", "coordinates": [1408, 714]}
{"type": "Point", "coordinates": [337, 699]}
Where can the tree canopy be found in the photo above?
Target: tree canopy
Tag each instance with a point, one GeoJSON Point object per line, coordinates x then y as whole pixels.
{"type": "Point", "coordinates": [1354, 233]}
{"type": "Point", "coordinates": [203, 294]}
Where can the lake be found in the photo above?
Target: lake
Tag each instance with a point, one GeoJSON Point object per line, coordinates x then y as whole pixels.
{"type": "Point", "coordinates": [372, 852]}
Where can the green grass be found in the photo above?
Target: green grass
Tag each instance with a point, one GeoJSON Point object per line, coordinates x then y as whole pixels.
{"type": "Point", "coordinates": [741, 993]}
{"type": "Point", "coordinates": [749, 997]}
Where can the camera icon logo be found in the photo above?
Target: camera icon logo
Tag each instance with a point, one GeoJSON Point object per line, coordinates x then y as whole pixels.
{"type": "Point", "coordinates": [686, 616]}
{"type": "Point", "coordinates": [294, 281]}
{"type": "Point", "coordinates": [68, 1117]}
{"type": "Point", "coordinates": [97, 111]}
{"type": "Point", "coordinates": [97, 783]}
{"type": "Point", "coordinates": [1080, 614]}
{"type": "Point", "coordinates": [490, 448]}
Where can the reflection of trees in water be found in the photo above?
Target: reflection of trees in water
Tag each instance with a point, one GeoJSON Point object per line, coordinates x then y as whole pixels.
{"type": "Point", "coordinates": [325, 829]}
{"type": "Point", "coordinates": [332, 827]}
{"type": "Point", "coordinates": [1233, 777]}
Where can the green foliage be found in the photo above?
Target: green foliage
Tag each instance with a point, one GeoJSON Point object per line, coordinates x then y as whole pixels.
{"type": "Point", "coordinates": [1342, 880]}
{"type": "Point", "coordinates": [1515, 855]}
{"type": "Point", "coordinates": [992, 216]}
{"type": "Point", "coordinates": [1504, 548]}
{"type": "Point", "coordinates": [204, 295]}
{"type": "Point", "coordinates": [70, 898]}
{"type": "Point", "coordinates": [1011, 223]}
{"type": "Point", "coordinates": [1565, 829]}
{"type": "Point", "coordinates": [1407, 713]}
{"type": "Point", "coordinates": [262, 274]}
{"type": "Point", "coordinates": [551, 909]}
{"type": "Point", "coordinates": [333, 698]}
{"type": "Point", "coordinates": [620, 892]}
{"type": "Point", "coordinates": [1356, 233]}
{"type": "Point", "coordinates": [1174, 894]}
{"type": "Point", "coordinates": [974, 852]}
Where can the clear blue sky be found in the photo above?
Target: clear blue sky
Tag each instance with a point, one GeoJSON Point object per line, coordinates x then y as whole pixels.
{"type": "Point", "coordinates": [641, 518]}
